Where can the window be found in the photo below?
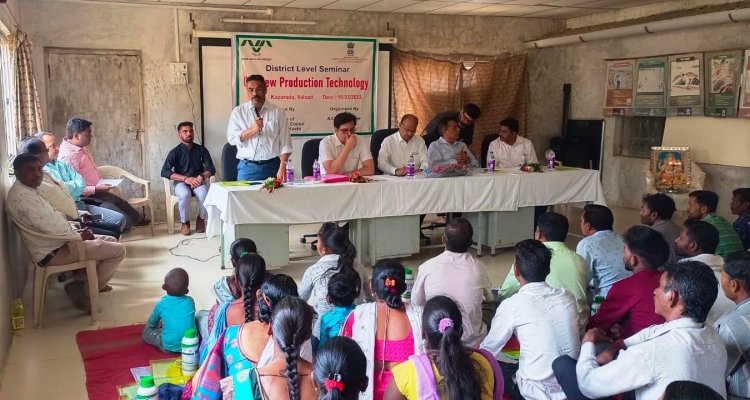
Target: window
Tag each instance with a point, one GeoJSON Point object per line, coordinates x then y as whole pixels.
{"type": "Point", "coordinates": [7, 95]}
{"type": "Point", "coordinates": [634, 136]}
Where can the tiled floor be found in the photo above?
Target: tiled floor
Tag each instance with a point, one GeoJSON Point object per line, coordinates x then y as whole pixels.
{"type": "Point", "coordinates": [46, 361]}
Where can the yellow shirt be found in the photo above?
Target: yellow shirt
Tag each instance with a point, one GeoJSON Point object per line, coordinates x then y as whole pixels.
{"type": "Point", "coordinates": [405, 378]}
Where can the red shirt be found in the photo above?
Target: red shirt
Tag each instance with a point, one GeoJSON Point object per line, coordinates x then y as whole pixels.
{"type": "Point", "coordinates": [630, 304]}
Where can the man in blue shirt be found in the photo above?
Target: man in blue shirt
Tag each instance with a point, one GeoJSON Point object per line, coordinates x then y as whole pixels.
{"type": "Point", "coordinates": [740, 207]}
{"type": "Point", "coordinates": [602, 249]}
{"type": "Point", "coordinates": [448, 150]}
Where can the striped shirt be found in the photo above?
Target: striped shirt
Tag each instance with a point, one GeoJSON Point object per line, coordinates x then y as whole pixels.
{"type": "Point", "coordinates": [728, 239]}
{"type": "Point", "coordinates": [734, 329]}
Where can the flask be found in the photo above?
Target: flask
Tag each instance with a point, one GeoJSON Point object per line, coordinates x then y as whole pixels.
{"type": "Point", "coordinates": [596, 304]}
{"type": "Point", "coordinates": [17, 318]}
{"type": "Point", "coordinates": [550, 156]}
{"type": "Point", "coordinates": [147, 390]}
{"type": "Point", "coordinates": [409, 280]}
{"type": "Point", "coordinates": [316, 171]}
{"type": "Point", "coordinates": [289, 177]}
{"type": "Point", "coordinates": [491, 162]}
{"type": "Point", "coordinates": [410, 167]}
{"type": "Point", "coordinates": [189, 353]}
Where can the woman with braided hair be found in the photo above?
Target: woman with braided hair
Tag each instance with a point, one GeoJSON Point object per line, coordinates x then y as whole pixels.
{"type": "Point", "coordinates": [388, 330]}
{"type": "Point", "coordinates": [287, 376]}
{"type": "Point", "coordinates": [448, 370]}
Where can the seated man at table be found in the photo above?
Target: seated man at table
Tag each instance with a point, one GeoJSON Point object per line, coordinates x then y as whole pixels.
{"type": "Point", "coordinates": [27, 206]}
{"type": "Point", "coordinates": [344, 152]}
{"type": "Point", "coordinates": [602, 249]}
{"type": "Point", "coordinates": [509, 149]}
{"type": "Point", "coordinates": [448, 150]}
{"type": "Point", "coordinates": [398, 148]}
{"type": "Point", "coordinates": [702, 206]}
{"type": "Point", "coordinates": [57, 193]}
{"type": "Point", "coordinates": [189, 166]}
{"type": "Point", "coordinates": [75, 152]}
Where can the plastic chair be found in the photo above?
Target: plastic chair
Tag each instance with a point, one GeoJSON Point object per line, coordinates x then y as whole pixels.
{"type": "Point", "coordinates": [172, 200]}
{"type": "Point", "coordinates": [376, 142]}
{"type": "Point", "coordinates": [109, 171]}
{"type": "Point", "coordinates": [42, 274]}
{"type": "Point", "coordinates": [229, 163]}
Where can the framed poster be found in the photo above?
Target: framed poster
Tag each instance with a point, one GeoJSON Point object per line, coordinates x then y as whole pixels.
{"type": "Point", "coordinates": [671, 168]}
{"type": "Point", "coordinates": [744, 111]}
{"type": "Point", "coordinates": [619, 92]}
{"type": "Point", "coordinates": [723, 83]}
{"type": "Point", "coordinates": [685, 89]}
{"type": "Point", "coordinates": [649, 94]}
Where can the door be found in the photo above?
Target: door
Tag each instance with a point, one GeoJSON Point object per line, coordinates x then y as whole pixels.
{"type": "Point", "coordinates": [104, 87]}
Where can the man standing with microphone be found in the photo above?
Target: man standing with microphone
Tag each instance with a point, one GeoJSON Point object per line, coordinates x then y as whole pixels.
{"type": "Point", "coordinates": [260, 131]}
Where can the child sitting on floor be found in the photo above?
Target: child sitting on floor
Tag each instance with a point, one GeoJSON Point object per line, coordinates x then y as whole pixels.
{"type": "Point", "coordinates": [341, 293]}
{"type": "Point", "coordinates": [176, 311]}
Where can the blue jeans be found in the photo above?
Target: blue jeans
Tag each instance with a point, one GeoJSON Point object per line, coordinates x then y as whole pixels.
{"type": "Point", "coordinates": [108, 216]}
{"type": "Point", "coordinates": [253, 171]}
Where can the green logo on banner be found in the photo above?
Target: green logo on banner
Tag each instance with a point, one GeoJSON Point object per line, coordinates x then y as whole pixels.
{"type": "Point", "coordinates": [257, 45]}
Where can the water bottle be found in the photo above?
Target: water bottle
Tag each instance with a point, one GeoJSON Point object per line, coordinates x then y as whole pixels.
{"type": "Point", "coordinates": [147, 390]}
{"type": "Point", "coordinates": [550, 156]}
{"type": "Point", "coordinates": [409, 280]}
{"type": "Point", "coordinates": [17, 319]}
{"type": "Point", "coordinates": [316, 171]}
{"type": "Point", "coordinates": [596, 304]}
{"type": "Point", "coordinates": [410, 167]}
{"type": "Point", "coordinates": [189, 353]}
{"type": "Point", "coordinates": [289, 178]}
{"type": "Point", "coordinates": [491, 162]}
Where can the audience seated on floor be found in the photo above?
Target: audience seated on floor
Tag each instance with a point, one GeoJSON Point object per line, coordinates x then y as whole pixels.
{"type": "Point", "coordinates": [568, 270]}
{"type": "Point", "coordinates": [172, 315]}
{"type": "Point", "coordinates": [732, 326]}
{"type": "Point", "coordinates": [543, 319]}
{"type": "Point", "coordinates": [702, 207]}
{"type": "Point", "coordinates": [687, 390]}
{"type": "Point", "coordinates": [602, 249]}
{"type": "Point", "coordinates": [740, 206]}
{"type": "Point", "coordinates": [342, 291]}
{"type": "Point", "coordinates": [657, 210]}
{"type": "Point", "coordinates": [698, 242]}
{"type": "Point", "coordinates": [683, 348]}
{"type": "Point", "coordinates": [27, 206]}
{"type": "Point", "coordinates": [448, 369]}
{"type": "Point", "coordinates": [629, 306]}
{"type": "Point", "coordinates": [340, 370]}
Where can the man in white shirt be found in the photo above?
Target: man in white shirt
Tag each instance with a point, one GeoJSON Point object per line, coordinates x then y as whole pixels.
{"type": "Point", "coordinates": [509, 149]}
{"type": "Point", "coordinates": [543, 319]}
{"type": "Point", "coordinates": [397, 148]}
{"type": "Point", "coordinates": [457, 274]}
{"type": "Point", "coordinates": [698, 242]}
{"type": "Point", "coordinates": [260, 131]}
{"type": "Point", "coordinates": [684, 348]}
{"type": "Point", "coordinates": [344, 152]}
{"type": "Point", "coordinates": [27, 206]}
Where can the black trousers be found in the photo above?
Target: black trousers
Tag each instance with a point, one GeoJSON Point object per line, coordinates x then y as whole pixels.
{"type": "Point", "coordinates": [564, 368]}
{"type": "Point", "coordinates": [511, 388]}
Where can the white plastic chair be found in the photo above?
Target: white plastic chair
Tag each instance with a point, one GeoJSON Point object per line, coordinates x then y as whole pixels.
{"type": "Point", "coordinates": [172, 200]}
{"type": "Point", "coordinates": [109, 171]}
{"type": "Point", "coordinates": [42, 274]}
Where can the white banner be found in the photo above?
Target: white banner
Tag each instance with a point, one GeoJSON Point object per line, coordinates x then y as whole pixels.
{"type": "Point", "coordinates": [312, 77]}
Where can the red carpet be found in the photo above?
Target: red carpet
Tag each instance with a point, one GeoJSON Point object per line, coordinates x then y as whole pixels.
{"type": "Point", "coordinates": [108, 355]}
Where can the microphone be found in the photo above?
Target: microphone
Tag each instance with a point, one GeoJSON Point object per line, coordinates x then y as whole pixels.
{"type": "Point", "coordinates": [256, 115]}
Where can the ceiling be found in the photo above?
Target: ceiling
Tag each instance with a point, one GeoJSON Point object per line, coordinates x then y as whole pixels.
{"type": "Point", "coordinates": [562, 9]}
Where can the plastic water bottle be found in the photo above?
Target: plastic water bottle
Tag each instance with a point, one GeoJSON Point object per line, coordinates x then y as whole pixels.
{"type": "Point", "coordinates": [491, 162]}
{"type": "Point", "coordinates": [596, 304]}
{"type": "Point", "coordinates": [316, 171]}
{"type": "Point", "coordinates": [550, 156]}
{"type": "Point", "coordinates": [147, 390]}
{"type": "Point", "coordinates": [289, 172]}
{"type": "Point", "coordinates": [17, 318]}
{"type": "Point", "coordinates": [409, 280]}
{"type": "Point", "coordinates": [189, 353]}
{"type": "Point", "coordinates": [410, 167]}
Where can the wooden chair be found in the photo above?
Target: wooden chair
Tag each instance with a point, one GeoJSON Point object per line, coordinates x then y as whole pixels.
{"type": "Point", "coordinates": [172, 200]}
{"type": "Point", "coordinates": [42, 274]}
{"type": "Point", "coordinates": [109, 171]}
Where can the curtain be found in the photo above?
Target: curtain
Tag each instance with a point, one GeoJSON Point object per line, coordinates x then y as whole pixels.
{"type": "Point", "coordinates": [29, 109]}
{"type": "Point", "coordinates": [425, 87]}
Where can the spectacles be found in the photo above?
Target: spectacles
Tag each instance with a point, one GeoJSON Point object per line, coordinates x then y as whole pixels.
{"type": "Point", "coordinates": [348, 130]}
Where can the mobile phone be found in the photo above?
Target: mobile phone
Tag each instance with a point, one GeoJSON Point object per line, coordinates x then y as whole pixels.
{"type": "Point", "coordinates": [96, 217]}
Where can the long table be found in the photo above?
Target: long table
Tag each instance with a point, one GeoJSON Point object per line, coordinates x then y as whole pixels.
{"type": "Point", "coordinates": [385, 211]}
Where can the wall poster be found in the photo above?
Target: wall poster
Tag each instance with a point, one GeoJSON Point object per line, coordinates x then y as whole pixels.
{"type": "Point", "coordinates": [619, 92]}
{"type": "Point", "coordinates": [723, 83]}
{"type": "Point", "coordinates": [685, 87]}
{"type": "Point", "coordinates": [744, 111]}
{"type": "Point", "coordinates": [649, 97]}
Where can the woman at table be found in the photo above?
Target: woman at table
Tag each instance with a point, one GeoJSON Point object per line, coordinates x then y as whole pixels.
{"type": "Point", "coordinates": [388, 331]}
{"type": "Point", "coordinates": [448, 369]}
{"type": "Point", "coordinates": [337, 255]}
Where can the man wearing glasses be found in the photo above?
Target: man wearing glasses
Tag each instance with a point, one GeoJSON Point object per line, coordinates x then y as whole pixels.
{"type": "Point", "coordinates": [344, 152]}
{"type": "Point", "coordinates": [260, 131]}
{"type": "Point", "coordinates": [466, 118]}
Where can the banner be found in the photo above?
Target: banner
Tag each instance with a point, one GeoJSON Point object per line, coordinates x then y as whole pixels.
{"type": "Point", "coordinates": [650, 92]}
{"type": "Point", "coordinates": [744, 111]}
{"type": "Point", "coordinates": [723, 83]}
{"type": "Point", "coordinates": [685, 86]}
{"type": "Point", "coordinates": [312, 77]}
{"type": "Point", "coordinates": [619, 94]}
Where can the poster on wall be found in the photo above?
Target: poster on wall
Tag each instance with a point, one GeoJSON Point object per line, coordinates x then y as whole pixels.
{"type": "Point", "coordinates": [685, 89]}
{"type": "Point", "coordinates": [744, 111]}
{"type": "Point", "coordinates": [619, 92]}
{"type": "Point", "coordinates": [722, 83]}
{"type": "Point", "coordinates": [650, 98]}
{"type": "Point", "coordinates": [312, 77]}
